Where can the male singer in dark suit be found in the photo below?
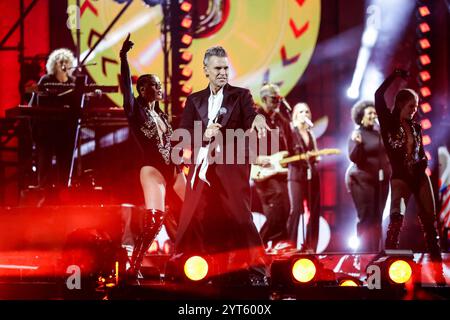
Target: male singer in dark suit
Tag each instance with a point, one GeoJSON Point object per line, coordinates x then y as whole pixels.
{"type": "Point", "coordinates": [216, 217]}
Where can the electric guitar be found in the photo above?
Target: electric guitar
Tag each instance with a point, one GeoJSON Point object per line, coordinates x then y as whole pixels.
{"type": "Point", "coordinates": [279, 160]}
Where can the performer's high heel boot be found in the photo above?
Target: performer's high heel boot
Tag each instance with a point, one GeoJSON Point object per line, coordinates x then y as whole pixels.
{"type": "Point", "coordinates": [153, 220]}
{"type": "Point", "coordinates": [393, 232]}
{"type": "Point", "coordinates": [432, 241]}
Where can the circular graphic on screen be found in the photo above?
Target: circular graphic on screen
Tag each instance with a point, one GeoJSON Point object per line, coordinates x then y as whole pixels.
{"type": "Point", "coordinates": [265, 40]}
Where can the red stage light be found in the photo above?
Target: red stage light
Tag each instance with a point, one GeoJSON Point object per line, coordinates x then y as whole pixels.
{"type": "Point", "coordinates": [186, 6]}
{"type": "Point", "coordinates": [186, 22]}
{"type": "Point", "coordinates": [186, 72]}
{"type": "Point", "coordinates": [426, 140]}
{"type": "Point", "coordinates": [424, 76]}
{"type": "Point", "coordinates": [425, 91]}
{"type": "Point", "coordinates": [186, 89]}
{"type": "Point", "coordinates": [196, 268]}
{"type": "Point", "coordinates": [186, 56]}
{"type": "Point", "coordinates": [426, 107]}
{"type": "Point", "coordinates": [154, 247]}
{"type": "Point", "coordinates": [425, 59]}
{"type": "Point", "coordinates": [400, 271]}
{"type": "Point", "coordinates": [424, 11]}
{"type": "Point", "coordinates": [424, 43]}
{"type": "Point", "coordinates": [426, 124]}
{"type": "Point", "coordinates": [424, 27]}
{"type": "Point", "coordinates": [186, 39]}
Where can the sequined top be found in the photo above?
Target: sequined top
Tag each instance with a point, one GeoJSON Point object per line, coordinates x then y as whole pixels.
{"type": "Point", "coordinates": [151, 128]}
{"type": "Point", "coordinates": [405, 165]}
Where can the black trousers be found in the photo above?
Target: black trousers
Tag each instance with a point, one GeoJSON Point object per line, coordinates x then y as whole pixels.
{"type": "Point", "coordinates": [273, 194]}
{"type": "Point", "coordinates": [306, 192]}
{"type": "Point", "coordinates": [55, 140]}
{"type": "Point", "coordinates": [369, 197]}
{"type": "Point", "coordinates": [228, 236]}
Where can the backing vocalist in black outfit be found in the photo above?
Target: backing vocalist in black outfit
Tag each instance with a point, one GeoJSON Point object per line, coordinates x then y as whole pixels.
{"type": "Point", "coordinates": [367, 177]}
{"type": "Point", "coordinates": [152, 131]}
{"type": "Point", "coordinates": [303, 179]}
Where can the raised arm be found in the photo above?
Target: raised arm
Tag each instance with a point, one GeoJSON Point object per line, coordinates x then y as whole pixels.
{"type": "Point", "coordinates": [125, 77]}
{"type": "Point", "coordinates": [380, 103]}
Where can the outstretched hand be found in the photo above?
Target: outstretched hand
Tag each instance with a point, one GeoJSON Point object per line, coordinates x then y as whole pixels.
{"type": "Point", "coordinates": [127, 45]}
{"type": "Point", "coordinates": [259, 124]}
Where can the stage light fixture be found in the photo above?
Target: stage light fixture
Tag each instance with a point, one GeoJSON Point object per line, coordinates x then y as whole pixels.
{"type": "Point", "coordinates": [425, 107]}
{"type": "Point", "coordinates": [424, 43]}
{"type": "Point", "coordinates": [186, 39]}
{"type": "Point", "coordinates": [424, 76]}
{"type": "Point", "coordinates": [196, 268]}
{"type": "Point", "coordinates": [186, 89]}
{"type": "Point", "coordinates": [186, 6]}
{"type": "Point", "coordinates": [186, 72]}
{"type": "Point", "coordinates": [424, 11]}
{"type": "Point", "coordinates": [186, 22]}
{"type": "Point", "coordinates": [396, 268]}
{"type": "Point", "coordinates": [425, 92]}
{"type": "Point", "coordinates": [154, 247]}
{"type": "Point", "coordinates": [426, 124]}
{"type": "Point", "coordinates": [186, 56]}
{"type": "Point", "coordinates": [424, 27]}
{"type": "Point", "coordinates": [304, 270]}
{"type": "Point", "coordinates": [400, 271]}
{"type": "Point", "coordinates": [424, 59]}
{"type": "Point", "coordinates": [426, 140]}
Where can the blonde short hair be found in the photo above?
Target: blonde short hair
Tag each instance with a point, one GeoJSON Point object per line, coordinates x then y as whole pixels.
{"type": "Point", "coordinates": [269, 89]}
{"type": "Point", "coordinates": [58, 55]}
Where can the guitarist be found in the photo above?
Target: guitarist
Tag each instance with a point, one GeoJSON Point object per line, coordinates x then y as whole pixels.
{"type": "Point", "coordinates": [303, 179]}
{"type": "Point", "coordinates": [273, 191]}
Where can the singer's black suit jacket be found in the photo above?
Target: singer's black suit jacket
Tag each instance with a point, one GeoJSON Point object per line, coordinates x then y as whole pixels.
{"type": "Point", "coordinates": [231, 181]}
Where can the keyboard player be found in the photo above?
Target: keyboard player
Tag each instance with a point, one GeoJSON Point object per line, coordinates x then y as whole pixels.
{"type": "Point", "coordinates": [54, 135]}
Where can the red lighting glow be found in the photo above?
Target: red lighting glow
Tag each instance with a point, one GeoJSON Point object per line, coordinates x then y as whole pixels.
{"type": "Point", "coordinates": [424, 11]}
{"type": "Point", "coordinates": [426, 124]}
{"type": "Point", "coordinates": [426, 107]}
{"type": "Point", "coordinates": [186, 72]}
{"type": "Point", "coordinates": [425, 92]}
{"type": "Point", "coordinates": [426, 140]}
{"type": "Point", "coordinates": [424, 27]}
{"type": "Point", "coordinates": [424, 76]}
{"type": "Point", "coordinates": [186, 56]}
{"type": "Point", "coordinates": [186, 22]}
{"type": "Point", "coordinates": [424, 43]}
{"type": "Point", "coordinates": [425, 59]}
{"type": "Point", "coordinates": [186, 6]}
{"type": "Point", "coordinates": [186, 39]}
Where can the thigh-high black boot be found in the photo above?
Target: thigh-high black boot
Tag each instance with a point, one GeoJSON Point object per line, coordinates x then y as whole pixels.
{"type": "Point", "coordinates": [153, 220]}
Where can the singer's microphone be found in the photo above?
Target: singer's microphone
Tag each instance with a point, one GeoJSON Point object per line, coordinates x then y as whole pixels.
{"type": "Point", "coordinates": [377, 122]}
{"type": "Point", "coordinates": [286, 104]}
{"type": "Point", "coordinates": [309, 122]}
{"type": "Point", "coordinates": [220, 114]}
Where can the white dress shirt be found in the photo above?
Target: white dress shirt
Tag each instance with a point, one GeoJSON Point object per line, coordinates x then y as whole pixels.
{"type": "Point", "coordinates": [214, 104]}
